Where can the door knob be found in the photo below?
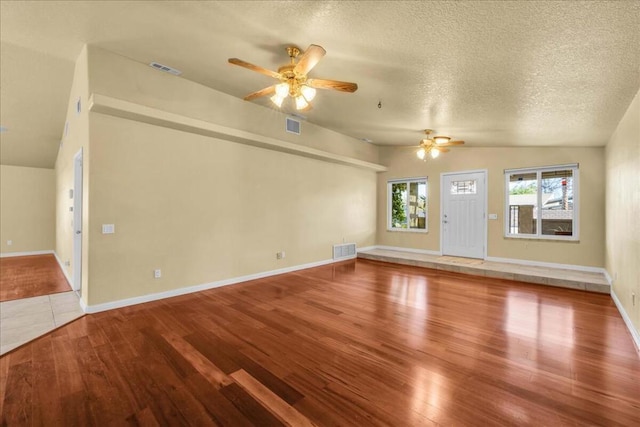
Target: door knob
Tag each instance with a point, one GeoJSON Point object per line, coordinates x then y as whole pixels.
{"type": "Point", "coordinates": [79, 232]}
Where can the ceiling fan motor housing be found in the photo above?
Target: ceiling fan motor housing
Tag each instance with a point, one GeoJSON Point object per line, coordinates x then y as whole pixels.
{"type": "Point", "coordinates": [293, 79]}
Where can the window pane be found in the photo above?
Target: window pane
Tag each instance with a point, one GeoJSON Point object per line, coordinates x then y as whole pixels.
{"type": "Point", "coordinates": [557, 203]}
{"type": "Point", "coordinates": [398, 205]}
{"type": "Point", "coordinates": [418, 205]}
{"type": "Point", "coordinates": [523, 200]}
{"type": "Point", "coordinates": [519, 177]}
{"type": "Point", "coordinates": [463, 187]}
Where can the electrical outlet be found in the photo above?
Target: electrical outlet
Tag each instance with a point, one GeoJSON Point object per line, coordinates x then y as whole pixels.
{"type": "Point", "coordinates": [157, 274]}
{"type": "Point", "coordinates": [9, 242]}
{"type": "Point", "coordinates": [633, 299]}
{"type": "Point", "coordinates": [67, 263]}
{"type": "Point", "coordinates": [280, 255]}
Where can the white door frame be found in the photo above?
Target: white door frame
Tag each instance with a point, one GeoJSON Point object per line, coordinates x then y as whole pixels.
{"type": "Point", "coordinates": [77, 222]}
{"type": "Point", "coordinates": [486, 192]}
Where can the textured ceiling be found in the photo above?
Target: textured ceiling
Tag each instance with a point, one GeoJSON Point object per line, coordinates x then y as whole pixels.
{"type": "Point", "coordinates": [492, 73]}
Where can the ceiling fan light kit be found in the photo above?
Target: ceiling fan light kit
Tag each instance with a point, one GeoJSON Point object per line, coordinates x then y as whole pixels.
{"type": "Point", "coordinates": [434, 146]}
{"type": "Point", "coordinates": [293, 79]}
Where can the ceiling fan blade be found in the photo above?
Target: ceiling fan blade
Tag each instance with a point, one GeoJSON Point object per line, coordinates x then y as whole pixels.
{"type": "Point", "coordinates": [332, 84]}
{"type": "Point", "coordinates": [240, 62]}
{"type": "Point", "coordinates": [441, 149]}
{"type": "Point", "coordinates": [451, 143]}
{"type": "Point", "coordinates": [309, 59]}
{"type": "Point", "coordinates": [262, 92]}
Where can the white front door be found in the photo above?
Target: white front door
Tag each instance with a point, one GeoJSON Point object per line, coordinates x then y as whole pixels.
{"type": "Point", "coordinates": [464, 214]}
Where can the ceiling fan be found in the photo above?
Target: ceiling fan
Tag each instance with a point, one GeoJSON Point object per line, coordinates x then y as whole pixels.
{"type": "Point", "coordinates": [435, 145]}
{"type": "Point", "coordinates": [293, 78]}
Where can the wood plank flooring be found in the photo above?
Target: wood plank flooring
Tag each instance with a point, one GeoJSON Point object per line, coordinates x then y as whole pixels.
{"type": "Point", "coordinates": [30, 276]}
{"type": "Point", "coordinates": [357, 343]}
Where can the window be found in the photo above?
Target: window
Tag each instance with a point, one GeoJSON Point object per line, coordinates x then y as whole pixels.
{"type": "Point", "coordinates": [407, 200]}
{"type": "Point", "coordinates": [463, 187]}
{"type": "Point", "coordinates": [542, 203]}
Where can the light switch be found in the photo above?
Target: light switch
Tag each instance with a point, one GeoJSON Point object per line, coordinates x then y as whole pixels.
{"type": "Point", "coordinates": [108, 228]}
{"type": "Point", "coordinates": [493, 216]}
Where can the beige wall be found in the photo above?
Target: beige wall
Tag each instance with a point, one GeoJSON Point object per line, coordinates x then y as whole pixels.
{"type": "Point", "coordinates": [77, 138]}
{"type": "Point", "coordinates": [589, 251]}
{"type": "Point", "coordinates": [203, 209]}
{"type": "Point", "coordinates": [27, 209]}
{"type": "Point", "coordinates": [623, 210]}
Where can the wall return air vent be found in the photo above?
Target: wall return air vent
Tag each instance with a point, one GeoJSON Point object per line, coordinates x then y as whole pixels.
{"type": "Point", "coordinates": [165, 68]}
{"type": "Point", "coordinates": [293, 126]}
{"type": "Point", "coordinates": [344, 251]}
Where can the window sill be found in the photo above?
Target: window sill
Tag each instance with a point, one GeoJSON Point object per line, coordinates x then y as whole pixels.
{"type": "Point", "coordinates": [408, 230]}
{"type": "Point", "coordinates": [544, 239]}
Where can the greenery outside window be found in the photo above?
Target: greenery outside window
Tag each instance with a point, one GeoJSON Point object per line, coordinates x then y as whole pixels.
{"type": "Point", "coordinates": [407, 205]}
{"type": "Point", "coordinates": [542, 203]}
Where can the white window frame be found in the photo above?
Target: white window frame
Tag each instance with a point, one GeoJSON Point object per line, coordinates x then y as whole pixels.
{"type": "Point", "coordinates": [389, 201]}
{"type": "Point", "coordinates": [574, 167]}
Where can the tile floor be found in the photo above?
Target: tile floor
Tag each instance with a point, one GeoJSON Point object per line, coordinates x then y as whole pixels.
{"type": "Point", "coordinates": [25, 319]}
{"type": "Point", "coordinates": [573, 279]}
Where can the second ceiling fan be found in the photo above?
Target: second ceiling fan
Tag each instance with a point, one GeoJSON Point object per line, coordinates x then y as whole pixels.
{"type": "Point", "coordinates": [293, 78]}
{"type": "Point", "coordinates": [435, 145]}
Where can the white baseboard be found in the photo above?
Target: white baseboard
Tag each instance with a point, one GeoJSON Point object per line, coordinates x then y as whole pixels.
{"type": "Point", "coordinates": [12, 254]}
{"type": "Point", "coordinates": [608, 277]}
{"type": "Point", "coordinates": [627, 320]}
{"type": "Point", "coordinates": [366, 248]}
{"type": "Point", "coordinates": [197, 288]}
{"type": "Point", "coordinates": [64, 270]}
{"type": "Point", "coordinates": [85, 308]}
{"type": "Point", "coordinates": [547, 264]}
{"type": "Point", "coordinates": [400, 249]}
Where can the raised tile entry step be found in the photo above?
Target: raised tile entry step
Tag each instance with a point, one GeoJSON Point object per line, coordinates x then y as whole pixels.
{"type": "Point", "coordinates": [563, 278]}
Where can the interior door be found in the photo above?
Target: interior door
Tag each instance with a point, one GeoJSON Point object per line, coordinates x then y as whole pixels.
{"type": "Point", "coordinates": [464, 214]}
{"type": "Point", "coordinates": [77, 222]}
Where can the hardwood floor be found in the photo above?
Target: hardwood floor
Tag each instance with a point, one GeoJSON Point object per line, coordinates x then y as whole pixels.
{"type": "Point", "coordinates": [357, 343]}
{"type": "Point", "coordinates": [30, 276]}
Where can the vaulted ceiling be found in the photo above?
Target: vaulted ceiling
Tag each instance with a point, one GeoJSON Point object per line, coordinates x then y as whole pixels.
{"type": "Point", "coordinates": [493, 73]}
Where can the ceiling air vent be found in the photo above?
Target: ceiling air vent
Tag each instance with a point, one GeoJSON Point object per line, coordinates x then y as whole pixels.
{"type": "Point", "coordinates": [293, 126]}
{"type": "Point", "coordinates": [166, 69]}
